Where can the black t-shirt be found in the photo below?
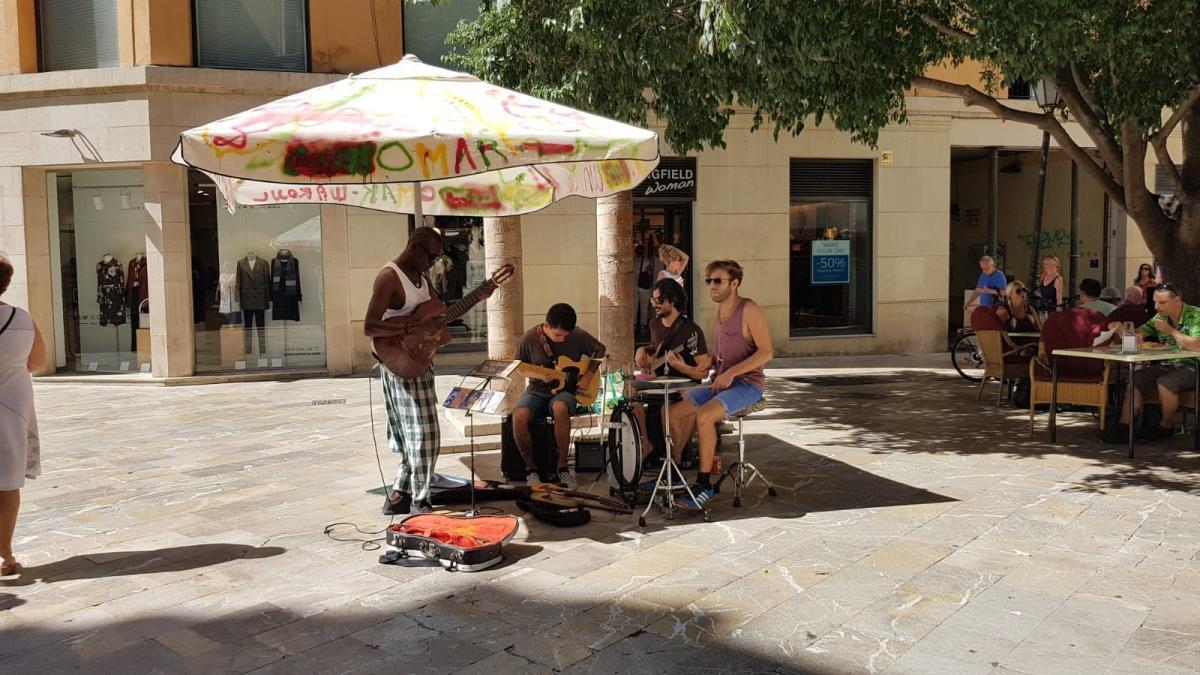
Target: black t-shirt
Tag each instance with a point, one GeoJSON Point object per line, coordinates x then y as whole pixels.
{"type": "Point", "coordinates": [681, 336]}
{"type": "Point", "coordinates": [578, 343]}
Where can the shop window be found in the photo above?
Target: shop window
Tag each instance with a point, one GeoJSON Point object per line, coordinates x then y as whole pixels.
{"type": "Point", "coordinates": [257, 283]}
{"type": "Point", "coordinates": [98, 271]}
{"type": "Point", "coordinates": [459, 272]}
{"type": "Point", "coordinates": [260, 35]}
{"type": "Point", "coordinates": [78, 34]}
{"type": "Point", "coordinates": [426, 26]}
{"type": "Point", "coordinates": [831, 236]}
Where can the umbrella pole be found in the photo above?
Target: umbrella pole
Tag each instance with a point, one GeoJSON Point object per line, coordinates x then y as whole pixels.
{"type": "Point", "coordinates": [418, 216]}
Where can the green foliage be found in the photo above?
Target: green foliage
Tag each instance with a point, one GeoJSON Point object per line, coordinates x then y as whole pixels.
{"type": "Point", "coordinates": [689, 61]}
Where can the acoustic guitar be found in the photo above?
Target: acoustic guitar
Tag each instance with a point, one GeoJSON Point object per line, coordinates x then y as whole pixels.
{"type": "Point", "coordinates": [410, 355]}
{"type": "Point", "coordinates": [581, 377]}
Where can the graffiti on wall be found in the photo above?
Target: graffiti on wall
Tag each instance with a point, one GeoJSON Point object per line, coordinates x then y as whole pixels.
{"type": "Point", "coordinates": [1056, 238]}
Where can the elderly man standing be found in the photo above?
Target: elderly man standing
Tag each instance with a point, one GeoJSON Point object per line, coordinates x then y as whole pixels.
{"type": "Point", "coordinates": [1178, 325]}
{"type": "Point", "coordinates": [990, 286]}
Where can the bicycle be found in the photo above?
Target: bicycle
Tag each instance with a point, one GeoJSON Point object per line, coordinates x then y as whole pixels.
{"type": "Point", "coordinates": [966, 355]}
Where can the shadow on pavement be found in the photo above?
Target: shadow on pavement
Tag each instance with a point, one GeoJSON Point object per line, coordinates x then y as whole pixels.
{"type": "Point", "coordinates": [124, 563]}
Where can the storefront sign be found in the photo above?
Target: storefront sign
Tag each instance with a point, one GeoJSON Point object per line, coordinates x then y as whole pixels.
{"type": "Point", "coordinates": [674, 178]}
{"type": "Point", "coordinates": [831, 261]}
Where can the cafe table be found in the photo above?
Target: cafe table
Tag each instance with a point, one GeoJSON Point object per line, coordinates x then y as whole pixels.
{"type": "Point", "coordinates": [1114, 353]}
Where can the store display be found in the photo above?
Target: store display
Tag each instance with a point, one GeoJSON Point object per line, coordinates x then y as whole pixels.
{"type": "Point", "coordinates": [136, 291]}
{"type": "Point", "coordinates": [110, 291]}
{"type": "Point", "coordinates": [285, 287]}
{"type": "Point", "coordinates": [253, 294]}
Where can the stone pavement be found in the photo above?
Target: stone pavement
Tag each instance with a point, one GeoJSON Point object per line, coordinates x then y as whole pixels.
{"type": "Point", "coordinates": [916, 531]}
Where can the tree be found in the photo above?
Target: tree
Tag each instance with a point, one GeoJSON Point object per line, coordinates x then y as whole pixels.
{"type": "Point", "coordinates": [1128, 72]}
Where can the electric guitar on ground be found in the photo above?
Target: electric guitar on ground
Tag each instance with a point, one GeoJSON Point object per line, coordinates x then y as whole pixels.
{"type": "Point", "coordinates": [410, 355]}
{"type": "Point", "coordinates": [581, 377]}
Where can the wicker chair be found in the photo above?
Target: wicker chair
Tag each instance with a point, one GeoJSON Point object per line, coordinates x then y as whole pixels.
{"type": "Point", "coordinates": [1003, 359]}
{"type": "Point", "coordinates": [1080, 381]}
{"type": "Point", "coordinates": [741, 468]}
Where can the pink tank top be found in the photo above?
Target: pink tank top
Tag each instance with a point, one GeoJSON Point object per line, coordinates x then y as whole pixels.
{"type": "Point", "coordinates": [733, 347]}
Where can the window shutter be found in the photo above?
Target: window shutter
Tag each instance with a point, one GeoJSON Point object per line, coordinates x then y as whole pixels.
{"type": "Point", "coordinates": [78, 34]}
{"type": "Point", "coordinates": [259, 35]}
{"type": "Point", "coordinates": [819, 178]}
{"type": "Point", "coordinates": [1161, 185]}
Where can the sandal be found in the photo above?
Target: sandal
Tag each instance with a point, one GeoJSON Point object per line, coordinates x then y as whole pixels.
{"type": "Point", "coordinates": [10, 569]}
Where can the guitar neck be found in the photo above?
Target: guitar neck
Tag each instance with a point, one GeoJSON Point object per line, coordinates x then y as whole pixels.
{"type": "Point", "coordinates": [470, 300]}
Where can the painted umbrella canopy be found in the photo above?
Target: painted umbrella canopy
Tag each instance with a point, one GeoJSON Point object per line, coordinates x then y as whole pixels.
{"type": "Point", "coordinates": [474, 149]}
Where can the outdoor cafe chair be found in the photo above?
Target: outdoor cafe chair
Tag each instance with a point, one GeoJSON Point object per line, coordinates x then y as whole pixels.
{"type": "Point", "coordinates": [1135, 314]}
{"type": "Point", "coordinates": [1003, 359]}
{"type": "Point", "coordinates": [1080, 381]}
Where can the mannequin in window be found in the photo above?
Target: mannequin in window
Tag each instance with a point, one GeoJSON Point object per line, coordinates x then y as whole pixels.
{"type": "Point", "coordinates": [227, 304]}
{"type": "Point", "coordinates": [135, 292]}
{"type": "Point", "coordinates": [110, 290]}
{"type": "Point", "coordinates": [285, 287]}
{"type": "Point", "coordinates": [254, 295]}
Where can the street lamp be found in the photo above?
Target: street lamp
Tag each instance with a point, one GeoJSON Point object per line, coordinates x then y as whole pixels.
{"type": "Point", "coordinates": [1046, 94]}
{"type": "Point", "coordinates": [1045, 91]}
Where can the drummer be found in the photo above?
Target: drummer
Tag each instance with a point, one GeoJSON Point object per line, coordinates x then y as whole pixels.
{"type": "Point", "coordinates": [676, 348]}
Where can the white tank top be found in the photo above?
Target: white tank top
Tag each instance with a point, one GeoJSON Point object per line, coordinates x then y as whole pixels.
{"type": "Point", "coordinates": [413, 296]}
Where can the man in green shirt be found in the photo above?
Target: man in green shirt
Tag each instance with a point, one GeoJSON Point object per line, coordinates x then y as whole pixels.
{"type": "Point", "coordinates": [1175, 324]}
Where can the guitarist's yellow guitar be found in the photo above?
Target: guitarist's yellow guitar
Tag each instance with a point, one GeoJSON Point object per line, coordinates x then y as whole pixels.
{"type": "Point", "coordinates": [581, 377]}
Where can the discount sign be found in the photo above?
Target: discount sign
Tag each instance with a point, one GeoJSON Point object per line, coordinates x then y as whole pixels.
{"type": "Point", "coordinates": [831, 261]}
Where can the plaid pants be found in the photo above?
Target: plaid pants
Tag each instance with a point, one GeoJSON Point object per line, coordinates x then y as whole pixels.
{"type": "Point", "coordinates": [412, 430]}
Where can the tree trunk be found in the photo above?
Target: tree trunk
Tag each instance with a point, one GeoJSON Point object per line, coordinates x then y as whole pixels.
{"type": "Point", "coordinates": [506, 307]}
{"type": "Point", "coordinates": [614, 252]}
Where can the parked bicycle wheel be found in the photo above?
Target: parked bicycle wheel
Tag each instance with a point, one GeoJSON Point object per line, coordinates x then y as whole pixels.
{"type": "Point", "coordinates": [967, 357]}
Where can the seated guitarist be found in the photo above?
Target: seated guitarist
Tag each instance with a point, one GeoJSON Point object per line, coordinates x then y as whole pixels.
{"type": "Point", "coordinates": [676, 347]}
{"type": "Point", "coordinates": [399, 306]}
{"type": "Point", "coordinates": [541, 346]}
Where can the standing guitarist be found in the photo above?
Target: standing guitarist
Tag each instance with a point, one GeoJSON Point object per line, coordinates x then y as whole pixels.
{"type": "Point", "coordinates": [676, 347]}
{"type": "Point", "coordinates": [541, 346]}
{"type": "Point", "coordinates": [400, 306]}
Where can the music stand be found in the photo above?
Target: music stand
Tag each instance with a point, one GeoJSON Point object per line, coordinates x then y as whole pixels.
{"type": "Point", "coordinates": [481, 398]}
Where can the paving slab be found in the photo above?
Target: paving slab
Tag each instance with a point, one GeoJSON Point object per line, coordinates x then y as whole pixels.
{"type": "Point", "coordinates": [227, 528]}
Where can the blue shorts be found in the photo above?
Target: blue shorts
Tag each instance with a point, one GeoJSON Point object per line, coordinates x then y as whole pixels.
{"type": "Point", "coordinates": [735, 398]}
{"type": "Point", "coordinates": [539, 402]}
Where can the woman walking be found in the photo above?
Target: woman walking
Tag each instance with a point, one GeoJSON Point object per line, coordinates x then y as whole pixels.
{"type": "Point", "coordinates": [21, 351]}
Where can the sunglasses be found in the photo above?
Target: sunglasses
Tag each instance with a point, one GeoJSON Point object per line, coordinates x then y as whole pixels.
{"type": "Point", "coordinates": [431, 254]}
{"type": "Point", "coordinates": [1167, 287]}
{"type": "Point", "coordinates": [715, 281]}
{"type": "Point", "coordinates": [656, 300]}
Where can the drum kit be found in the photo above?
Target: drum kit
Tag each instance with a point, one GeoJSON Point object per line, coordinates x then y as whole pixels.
{"type": "Point", "coordinates": [625, 449]}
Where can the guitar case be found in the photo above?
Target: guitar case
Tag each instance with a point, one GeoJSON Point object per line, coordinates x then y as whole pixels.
{"type": "Point", "coordinates": [458, 543]}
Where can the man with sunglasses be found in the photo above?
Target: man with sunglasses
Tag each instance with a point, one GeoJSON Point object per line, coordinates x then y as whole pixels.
{"type": "Point", "coordinates": [400, 305]}
{"type": "Point", "coordinates": [674, 337]}
{"type": "Point", "coordinates": [742, 346]}
{"type": "Point", "coordinates": [1175, 324]}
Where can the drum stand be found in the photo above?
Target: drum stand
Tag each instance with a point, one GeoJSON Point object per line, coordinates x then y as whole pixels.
{"type": "Point", "coordinates": [669, 470]}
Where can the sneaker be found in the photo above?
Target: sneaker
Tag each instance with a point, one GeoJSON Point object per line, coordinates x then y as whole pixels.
{"type": "Point", "coordinates": [703, 494]}
{"type": "Point", "coordinates": [396, 502]}
{"type": "Point", "coordinates": [1155, 433]}
{"type": "Point", "coordinates": [420, 506]}
{"type": "Point", "coordinates": [1118, 435]}
{"type": "Point", "coordinates": [533, 477]}
{"type": "Point", "coordinates": [677, 482]}
{"type": "Point", "coordinates": [566, 478]}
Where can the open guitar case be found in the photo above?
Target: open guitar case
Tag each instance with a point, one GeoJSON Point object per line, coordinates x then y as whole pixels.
{"type": "Point", "coordinates": [458, 543]}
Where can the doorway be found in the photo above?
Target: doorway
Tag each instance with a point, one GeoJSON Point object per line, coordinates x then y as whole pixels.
{"type": "Point", "coordinates": [655, 225]}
